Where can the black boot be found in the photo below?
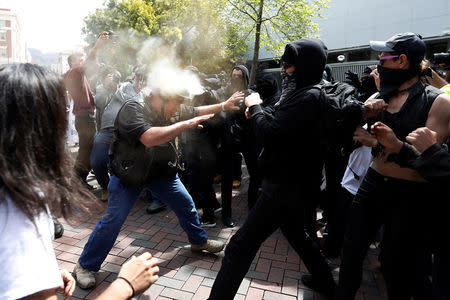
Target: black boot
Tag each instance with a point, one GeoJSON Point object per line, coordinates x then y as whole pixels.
{"type": "Point", "coordinates": [59, 229]}
{"type": "Point", "coordinates": [321, 286]}
{"type": "Point", "coordinates": [155, 207]}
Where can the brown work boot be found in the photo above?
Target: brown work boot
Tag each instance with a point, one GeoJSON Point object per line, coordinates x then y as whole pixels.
{"type": "Point", "coordinates": [104, 197]}
{"type": "Point", "coordinates": [84, 277]}
{"type": "Point", "coordinates": [210, 246]}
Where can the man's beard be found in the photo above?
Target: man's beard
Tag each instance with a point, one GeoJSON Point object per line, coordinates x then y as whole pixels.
{"type": "Point", "coordinates": [237, 85]}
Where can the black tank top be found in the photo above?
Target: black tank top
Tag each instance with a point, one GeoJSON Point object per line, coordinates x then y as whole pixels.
{"type": "Point", "coordinates": [414, 112]}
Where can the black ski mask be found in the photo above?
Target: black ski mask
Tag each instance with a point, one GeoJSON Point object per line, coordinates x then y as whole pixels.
{"type": "Point", "coordinates": [288, 84]}
{"type": "Point", "coordinates": [391, 80]}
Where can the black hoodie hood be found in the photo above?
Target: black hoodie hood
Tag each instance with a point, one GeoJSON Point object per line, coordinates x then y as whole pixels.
{"type": "Point", "coordinates": [267, 87]}
{"type": "Point", "coordinates": [244, 71]}
{"type": "Point", "coordinates": [309, 57]}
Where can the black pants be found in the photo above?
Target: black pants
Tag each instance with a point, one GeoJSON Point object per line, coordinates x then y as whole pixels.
{"type": "Point", "coordinates": [201, 162]}
{"type": "Point", "coordinates": [400, 206]}
{"type": "Point", "coordinates": [249, 150]}
{"type": "Point", "coordinates": [278, 206]}
{"type": "Point", "coordinates": [86, 128]}
{"type": "Point", "coordinates": [441, 272]}
{"type": "Point", "coordinates": [337, 223]}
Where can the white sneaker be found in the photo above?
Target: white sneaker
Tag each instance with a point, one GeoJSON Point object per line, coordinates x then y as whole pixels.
{"type": "Point", "coordinates": [84, 277]}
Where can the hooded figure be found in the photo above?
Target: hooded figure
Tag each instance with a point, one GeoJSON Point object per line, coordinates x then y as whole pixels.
{"type": "Point", "coordinates": [309, 56]}
{"type": "Point", "coordinates": [267, 88]}
{"type": "Point", "coordinates": [292, 173]}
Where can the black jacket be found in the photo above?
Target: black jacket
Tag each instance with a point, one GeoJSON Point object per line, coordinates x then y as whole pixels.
{"type": "Point", "coordinates": [291, 136]}
{"type": "Point", "coordinates": [433, 164]}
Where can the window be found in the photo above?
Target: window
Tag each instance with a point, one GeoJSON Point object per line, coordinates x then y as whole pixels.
{"type": "Point", "coordinates": [2, 23]}
{"type": "Point", "coordinates": [2, 36]}
{"type": "Point", "coordinates": [2, 51]}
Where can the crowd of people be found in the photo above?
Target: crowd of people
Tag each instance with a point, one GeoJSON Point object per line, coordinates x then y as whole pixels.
{"type": "Point", "coordinates": [377, 167]}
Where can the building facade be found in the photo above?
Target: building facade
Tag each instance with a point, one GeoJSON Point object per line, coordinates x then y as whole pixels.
{"type": "Point", "coordinates": [12, 44]}
{"type": "Point", "coordinates": [349, 25]}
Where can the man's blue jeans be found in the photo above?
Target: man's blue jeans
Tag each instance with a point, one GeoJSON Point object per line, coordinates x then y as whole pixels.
{"type": "Point", "coordinates": [100, 158]}
{"type": "Point", "coordinates": [120, 201]}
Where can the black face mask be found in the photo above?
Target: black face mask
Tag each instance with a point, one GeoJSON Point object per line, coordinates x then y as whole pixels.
{"type": "Point", "coordinates": [391, 80]}
{"type": "Point", "coordinates": [288, 85]}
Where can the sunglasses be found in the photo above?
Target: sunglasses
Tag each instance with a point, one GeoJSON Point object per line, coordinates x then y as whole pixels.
{"type": "Point", "coordinates": [383, 58]}
{"type": "Point", "coordinates": [285, 65]}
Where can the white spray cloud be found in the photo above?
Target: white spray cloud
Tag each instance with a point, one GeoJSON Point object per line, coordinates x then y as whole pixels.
{"type": "Point", "coordinates": [165, 74]}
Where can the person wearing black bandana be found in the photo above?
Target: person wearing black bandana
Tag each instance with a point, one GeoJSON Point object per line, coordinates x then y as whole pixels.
{"type": "Point", "coordinates": [400, 198]}
{"type": "Point", "coordinates": [143, 155]}
{"type": "Point", "coordinates": [291, 165]}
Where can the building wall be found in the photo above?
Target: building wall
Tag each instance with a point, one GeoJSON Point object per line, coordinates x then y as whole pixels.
{"type": "Point", "coordinates": [16, 49]}
{"type": "Point", "coordinates": [351, 23]}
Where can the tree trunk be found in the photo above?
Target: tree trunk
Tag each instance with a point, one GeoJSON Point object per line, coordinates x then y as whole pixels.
{"type": "Point", "coordinates": [257, 40]}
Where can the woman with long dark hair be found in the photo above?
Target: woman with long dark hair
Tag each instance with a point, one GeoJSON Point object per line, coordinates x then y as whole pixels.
{"type": "Point", "coordinates": [36, 177]}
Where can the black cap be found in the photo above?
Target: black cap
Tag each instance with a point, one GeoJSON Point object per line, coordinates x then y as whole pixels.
{"type": "Point", "coordinates": [408, 43]}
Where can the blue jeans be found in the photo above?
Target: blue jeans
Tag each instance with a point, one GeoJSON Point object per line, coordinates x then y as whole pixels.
{"type": "Point", "coordinates": [121, 199]}
{"type": "Point", "coordinates": [100, 158]}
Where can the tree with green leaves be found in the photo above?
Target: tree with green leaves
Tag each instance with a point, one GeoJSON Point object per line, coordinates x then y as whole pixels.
{"type": "Point", "coordinates": [274, 23]}
{"type": "Point", "coordinates": [194, 27]}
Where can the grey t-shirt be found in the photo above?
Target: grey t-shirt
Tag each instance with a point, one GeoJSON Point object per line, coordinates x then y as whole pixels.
{"type": "Point", "coordinates": [123, 94]}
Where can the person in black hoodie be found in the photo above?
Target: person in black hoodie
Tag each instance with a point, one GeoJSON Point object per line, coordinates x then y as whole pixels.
{"type": "Point", "coordinates": [291, 167]}
{"type": "Point", "coordinates": [237, 137]}
{"type": "Point", "coordinates": [267, 88]}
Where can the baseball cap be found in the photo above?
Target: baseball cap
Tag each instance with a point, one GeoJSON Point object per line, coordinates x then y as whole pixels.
{"type": "Point", "coordinates": [408, 43]}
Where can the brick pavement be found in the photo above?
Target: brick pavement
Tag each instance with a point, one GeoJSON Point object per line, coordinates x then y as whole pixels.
{"type": "Point", "coordinates": [274, 274]}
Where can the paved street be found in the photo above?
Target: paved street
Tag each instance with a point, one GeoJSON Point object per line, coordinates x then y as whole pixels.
{"type": "Point", "coordinates": [274, 274]}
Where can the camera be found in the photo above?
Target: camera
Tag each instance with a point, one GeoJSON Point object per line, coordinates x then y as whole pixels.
{"type": "Point", "coordinates": [442, 58]}
{"type": "Point", "coordinates": [113, 37]}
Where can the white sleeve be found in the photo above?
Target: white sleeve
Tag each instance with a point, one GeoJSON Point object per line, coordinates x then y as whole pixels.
{"type": "Point", "coordinates": [27, 261]}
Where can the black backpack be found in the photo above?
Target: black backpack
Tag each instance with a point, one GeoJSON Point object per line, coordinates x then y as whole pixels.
{"type": "Point", "coordinates": [136, 164]}
{"type": "Point", "coordinates": [340, 114]}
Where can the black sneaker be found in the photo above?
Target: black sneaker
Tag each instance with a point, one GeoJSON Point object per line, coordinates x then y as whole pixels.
{"type": "Point", "coordinates": [155, 207]}
{"type": "Point", "coordinates": [208, 222]}
{"type": "Point", "coordinates": [59, 229]}
{"type": "Point", "coordinates": [217, 209]}
{"type": "Point", "coordinates": [319, 286]}
{"type": "Point", "coordinates": [228, 222]}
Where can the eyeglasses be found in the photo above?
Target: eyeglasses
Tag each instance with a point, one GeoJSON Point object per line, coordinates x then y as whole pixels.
{"type": "Point", "coordinates": [285, 65]}
{"type": "Point", "coordinates": [383, 58]}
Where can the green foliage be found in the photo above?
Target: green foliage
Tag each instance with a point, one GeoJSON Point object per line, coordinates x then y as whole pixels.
{"type": "Point", "coordinates": [281, 21]}
{"type": "Point", "coordinates": [195, 27]}
{"type": "Point", "coordinates": [273, 23]}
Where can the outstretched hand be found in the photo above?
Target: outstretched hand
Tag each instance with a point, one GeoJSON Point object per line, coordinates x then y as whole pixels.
{"type": "Point", "coordinates": [376, 76]}
{"type": "Point", "coordinates": [374, 106]}
{"type": "Point", "coordinates": [386, 137]}
{"type": "Point", "coordinates": [141, 272]}
{"type": "Point", "coordinates": [194, 123]}
{"type": "Point", "coordinates": [361, 135]}
{"type": "Point", "coordinates": [253, 99]}
{"type": "Point", "coordinates": [230, 104]}
{"type": "Point", "coordinates": [68, 286]}
{"type": "Point", "coordinates": [422, 138]}
{"type": "Point", "coordinates": [102, 39]}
